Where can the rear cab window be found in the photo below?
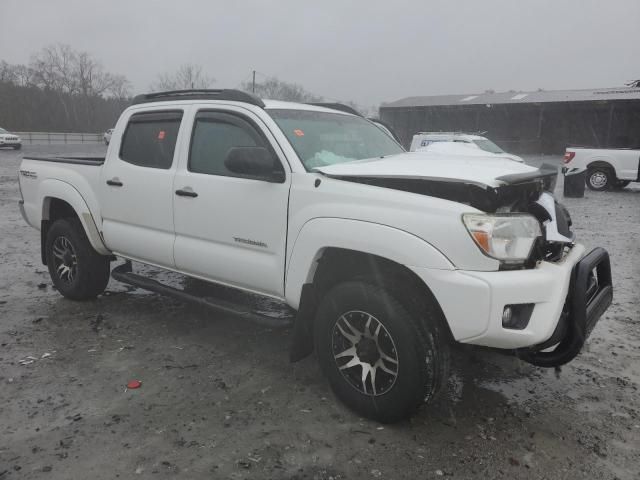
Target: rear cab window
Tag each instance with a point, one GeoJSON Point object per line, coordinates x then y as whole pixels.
{"type": "Point", "coordinates": [150, 138]}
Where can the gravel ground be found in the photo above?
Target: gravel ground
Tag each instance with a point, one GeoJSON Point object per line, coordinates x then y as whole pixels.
{"type": "Point", "coordinates": [219, 398]}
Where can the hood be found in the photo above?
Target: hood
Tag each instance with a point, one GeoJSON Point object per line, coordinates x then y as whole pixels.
{"type": "Point", "coordinates": [510, 156]}
{"type": "Point", "coordinates": [486, 183]}
{"type": "Point", "coordinates": [485, 171]}
{"type": "Point", "coordinates": [464, 149]}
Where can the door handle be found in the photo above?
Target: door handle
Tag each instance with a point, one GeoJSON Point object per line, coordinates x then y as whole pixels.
{"type": "Point", "coordinates": [186, 192]}
{"type": "Point", "coordinates": [114, 182]}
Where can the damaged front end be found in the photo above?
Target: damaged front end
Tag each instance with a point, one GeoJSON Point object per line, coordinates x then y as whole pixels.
{"type": "Point", "coordinates": [590, 289]}
{"type": "Point", "coordinates": [527, 192]}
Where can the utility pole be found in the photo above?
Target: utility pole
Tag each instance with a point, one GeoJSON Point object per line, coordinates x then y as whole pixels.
{"type": "Point", "coordinates": [253, 85]}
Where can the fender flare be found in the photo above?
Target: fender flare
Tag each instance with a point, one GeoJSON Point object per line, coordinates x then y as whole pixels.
{"type": "Point", "coordinates": [318, 234]}
{"type": "Point", "coordinates": [53, 188]}
{"type": "Point", "coordinates": [602, 162]}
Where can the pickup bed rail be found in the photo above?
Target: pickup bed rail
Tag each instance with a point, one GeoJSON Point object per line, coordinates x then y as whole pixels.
{"type": "Point", "coordinates": [75, 160]}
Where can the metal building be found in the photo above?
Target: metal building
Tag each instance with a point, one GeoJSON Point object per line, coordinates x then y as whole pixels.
{"type": "Point", "coordinates": [526, 122]}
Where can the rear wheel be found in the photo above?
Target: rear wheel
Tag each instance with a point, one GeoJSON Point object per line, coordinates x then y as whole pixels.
{"type": "Point", "coordinates": [600, 179]}
{"type": "Point", "coordinates": [381, 360]}
{"type": "Point", "coordinates": [17, 147]}
{"type": "Point", "coordinates": [76, 269]}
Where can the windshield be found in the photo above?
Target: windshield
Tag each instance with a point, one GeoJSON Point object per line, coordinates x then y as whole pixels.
{"type": "Point", "coordinates": [2, 130]}
{"type": "Point", "coordinates": [322, 138]}
{"type": "Point", "coordinates": [488, 146]}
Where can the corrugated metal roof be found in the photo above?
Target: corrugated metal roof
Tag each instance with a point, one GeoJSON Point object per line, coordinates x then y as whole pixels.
{"type": "Point", "coordinates": [600, 94]}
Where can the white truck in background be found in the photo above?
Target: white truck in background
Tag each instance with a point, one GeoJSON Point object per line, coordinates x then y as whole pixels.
{"type": "Point", "coordinates": [386, 256]}
{"type": "Point", "coordinates": [606, 168]}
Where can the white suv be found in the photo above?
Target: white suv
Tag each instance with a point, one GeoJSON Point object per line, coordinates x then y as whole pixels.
{"type": "Point", "coordinates": [424, 139]}
{"type": "Point", "coordinates": [8, 139]}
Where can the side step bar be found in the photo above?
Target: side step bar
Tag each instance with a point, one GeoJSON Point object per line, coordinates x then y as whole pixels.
{"type": "Point", "coordinates": [123, 273]}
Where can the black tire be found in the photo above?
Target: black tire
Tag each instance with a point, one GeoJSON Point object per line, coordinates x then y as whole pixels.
{"type": "Point", "coordinates": [600, 179]}
{"type": "Point", "coordinates": [17, 147]}
{"type": "Point", "coordinates": [89, 270]}
{"type": "Point", "coordinates": [420, 350]}
{"type": "Point", "coordinates": [620, 184]}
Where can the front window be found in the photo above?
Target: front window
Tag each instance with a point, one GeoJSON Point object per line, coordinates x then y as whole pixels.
{"type": "Point", "coordinates": [322, 138]}
{"type": "Point", "coordinates": [488, 146]}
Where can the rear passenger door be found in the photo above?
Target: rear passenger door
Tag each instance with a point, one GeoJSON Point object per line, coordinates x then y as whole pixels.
{"type": "Point", "coordinates": [136, 196]}
{"type": "Point", "coordinates": [229, 228]}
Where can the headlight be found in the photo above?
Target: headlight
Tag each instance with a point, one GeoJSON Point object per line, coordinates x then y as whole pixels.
{"type": "Point", "coordinates": [505, 237]}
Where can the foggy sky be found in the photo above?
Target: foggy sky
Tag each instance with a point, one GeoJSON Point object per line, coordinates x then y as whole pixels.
{"type": "Point", "coordinates": [366, 51]}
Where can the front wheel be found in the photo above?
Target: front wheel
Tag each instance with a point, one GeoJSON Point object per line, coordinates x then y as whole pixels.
{"type": "Point", "coordinates": [600, 179]}
{"type": "Point", "coordinates": [76, 269]}
{"type": "Point", "coordinates": [381, 360]}
{"type": "Point", "coordinates": [17, 147]}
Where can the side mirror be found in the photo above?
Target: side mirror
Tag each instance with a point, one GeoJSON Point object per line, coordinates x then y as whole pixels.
{"type": "Point", "coordinates": [254, 162]}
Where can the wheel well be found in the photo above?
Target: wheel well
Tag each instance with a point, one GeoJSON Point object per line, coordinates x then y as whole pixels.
{"type": "Point", "coordinates": [53, 209]}
{"type": "Point", "coordinates": [601, 164]}
{"type": "Point", "coordinates": [338, 265]}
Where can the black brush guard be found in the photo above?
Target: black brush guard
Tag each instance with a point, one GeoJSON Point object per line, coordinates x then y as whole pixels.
{"type": "Point", "coordinates": [590, 294]}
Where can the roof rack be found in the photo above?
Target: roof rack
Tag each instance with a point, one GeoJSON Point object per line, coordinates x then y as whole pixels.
{"type": "Point", "coordinates": [200, 94]}
{"type": "Point", "coordinates": [337, 106]}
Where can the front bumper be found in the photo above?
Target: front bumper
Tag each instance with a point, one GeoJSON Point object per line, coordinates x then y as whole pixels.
{"type": "Point", "coordinates": [473, 302]}
{"type": "Point", "coordinates": [590, 294]}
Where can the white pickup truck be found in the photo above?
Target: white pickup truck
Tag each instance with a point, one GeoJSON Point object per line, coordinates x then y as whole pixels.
{"type": "Point", "coordinates": [387, 257]}
{"type": "Point", "coordinates": [606, 168]}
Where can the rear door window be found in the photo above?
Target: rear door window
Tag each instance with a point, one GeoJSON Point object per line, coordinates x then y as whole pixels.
{"type": "Point", "coordinates": [150, 139]}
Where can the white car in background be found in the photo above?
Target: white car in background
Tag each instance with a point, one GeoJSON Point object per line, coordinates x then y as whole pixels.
{"type": "Point", "coordinates": [478, 142]}
{"type": "Point", "coordinates": [8, 139]}
{"type": "Point", "coordinates": [107, 136]}
{"type": "Point", "coordinates": [458, 149]}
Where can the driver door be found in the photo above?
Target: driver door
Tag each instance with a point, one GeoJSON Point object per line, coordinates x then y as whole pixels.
{"type": "Point", "coordinates": [229, 229]}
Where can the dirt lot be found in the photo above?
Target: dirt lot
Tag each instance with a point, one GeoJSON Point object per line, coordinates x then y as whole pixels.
{"type": "Point", "coordinates": [219, 398]}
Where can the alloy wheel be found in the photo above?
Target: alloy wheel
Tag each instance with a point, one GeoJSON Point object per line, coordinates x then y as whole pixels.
{"type": "Point", "coordinates": [65, 259]}
{"type": "Point", "coordinates": [365, 353]}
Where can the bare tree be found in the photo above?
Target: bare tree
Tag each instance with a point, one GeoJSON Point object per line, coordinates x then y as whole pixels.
{"type": "Point", "coordinates": [20, 75]}
{"type": "Point", "coordinates": [61, 90]}
{"type": "Point", "coordinates": [53, 68]}
{"type": "Point", "coordinates": [188, 76]}
{"type": "Point", "coordinates": [120, 87]}
{"type": "Point", "coordinates": [62, 69]}
{"type": "Point", "coordinates": [276, 89]}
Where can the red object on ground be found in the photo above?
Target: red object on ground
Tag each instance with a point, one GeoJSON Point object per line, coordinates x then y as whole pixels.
{"type": "Point", "coordinates": [133, 384]}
